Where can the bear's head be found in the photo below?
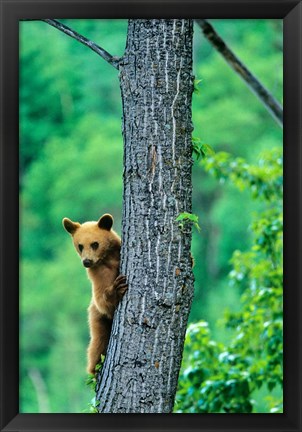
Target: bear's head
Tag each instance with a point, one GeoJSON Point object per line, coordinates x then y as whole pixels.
{"type": "Point", "coordinates": [95, 242]}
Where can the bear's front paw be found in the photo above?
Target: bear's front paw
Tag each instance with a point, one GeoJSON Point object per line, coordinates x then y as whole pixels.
{"type": "Point", "coordinates": [120, 285]}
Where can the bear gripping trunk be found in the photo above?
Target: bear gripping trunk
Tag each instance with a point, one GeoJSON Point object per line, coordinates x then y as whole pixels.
{"type": "Point", "coordinates": [144, 355]}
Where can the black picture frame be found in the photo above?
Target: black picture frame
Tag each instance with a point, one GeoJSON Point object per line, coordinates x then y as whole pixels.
{"type": "Point", "coordinates": [11, 12]}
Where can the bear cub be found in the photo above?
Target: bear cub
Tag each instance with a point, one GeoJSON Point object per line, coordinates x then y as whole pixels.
{"type": "Point", "coordinates": [99, 248]}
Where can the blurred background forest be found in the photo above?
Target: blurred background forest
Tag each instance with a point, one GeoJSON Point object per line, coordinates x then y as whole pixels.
{"type": "Point", "coordinates": [71, 164]}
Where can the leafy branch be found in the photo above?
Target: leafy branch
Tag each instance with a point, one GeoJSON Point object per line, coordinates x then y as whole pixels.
{"type": "Point", "coordinates": [201, 150]}
{"type": "Point", "coordinates": [265, 179]}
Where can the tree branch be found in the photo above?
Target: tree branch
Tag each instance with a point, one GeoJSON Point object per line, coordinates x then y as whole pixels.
{"type": "Point", "coordinates": [113, 61]}
{"type": "Point", "coordinates": [271, 104]}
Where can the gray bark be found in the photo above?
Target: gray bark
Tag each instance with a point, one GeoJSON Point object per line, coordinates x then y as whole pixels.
{"type": "Point", "coordinates": [144, 355]}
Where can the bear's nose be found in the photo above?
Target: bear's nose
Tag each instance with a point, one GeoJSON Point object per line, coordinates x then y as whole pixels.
{"type": "Point", "coordinates": [87, 262]}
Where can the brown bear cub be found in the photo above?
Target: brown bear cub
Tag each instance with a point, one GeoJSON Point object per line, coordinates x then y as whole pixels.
{"type": "Point", "coordinates": [99, 248]}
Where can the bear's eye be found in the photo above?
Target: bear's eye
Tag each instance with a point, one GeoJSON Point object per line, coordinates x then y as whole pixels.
{"type": "Point", "coordinates": [81, 247]}
{"type": "Point", "coordinates": [94, 245]}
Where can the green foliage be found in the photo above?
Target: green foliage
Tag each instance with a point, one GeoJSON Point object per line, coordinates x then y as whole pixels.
{"type": "Point", "coordinates": [196, 85]}
{"type": "Point", "coordinates": [91, 379]}
{"type": "Point", "coordinates": [92, 407]}
{"type": "Point", "coordinates": [264, 179]}
{"type": "Point", "coordinates": [185, 218]}
{"type": "Point", "coordinates": [218, 379]}
{"type": "Point", "coordinates": [229, 117]}
{"type": "Point", "coordinates": [91, 382]}
{"type": "Point", "coordinates": [212, 379]}
{"type": "Point", "coordinates": [201, 150]}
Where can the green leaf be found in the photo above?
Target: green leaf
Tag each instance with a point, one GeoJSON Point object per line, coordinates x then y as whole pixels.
{"type": "Point", "coordinates": [188, 218]}
{"type": "Point", "coordinates": [207, 150]}
{"type": "Point", "coordinates": [201, 150]}
{"type": "Point", "coordinates": [196, 84]}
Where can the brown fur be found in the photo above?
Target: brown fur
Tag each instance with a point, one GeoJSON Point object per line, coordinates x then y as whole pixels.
{"type": "Point", "coordinates": [108, 287]}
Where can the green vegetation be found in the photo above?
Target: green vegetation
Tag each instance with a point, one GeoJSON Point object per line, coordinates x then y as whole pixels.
{"type": "Point", "coordinates": [91, 383]}
{"type": "Point", "coordinates": [71, 164]}
{"type": "Point", "coordinates": [217, 378]}
{"type": "Point", "coordinates": [185, 218]}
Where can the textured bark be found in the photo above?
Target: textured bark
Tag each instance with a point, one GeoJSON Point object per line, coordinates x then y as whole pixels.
{"type": "Point", "coordinates": [144, 355]}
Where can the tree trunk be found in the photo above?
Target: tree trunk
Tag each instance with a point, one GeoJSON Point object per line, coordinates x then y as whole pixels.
{"type": "Point", "coordinates": [144, 355]}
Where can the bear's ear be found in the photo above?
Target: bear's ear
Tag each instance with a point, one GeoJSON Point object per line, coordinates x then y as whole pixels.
{"type": "Point", "coordinates": [70, 226]}
{"type": "Point", "coordinates": [105, 222]}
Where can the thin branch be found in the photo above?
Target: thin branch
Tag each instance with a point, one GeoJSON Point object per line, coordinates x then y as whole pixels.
{"type": "Point", "coordinates": [271, 104]}
{"type": "Point", "coordinates": [113, 61]}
